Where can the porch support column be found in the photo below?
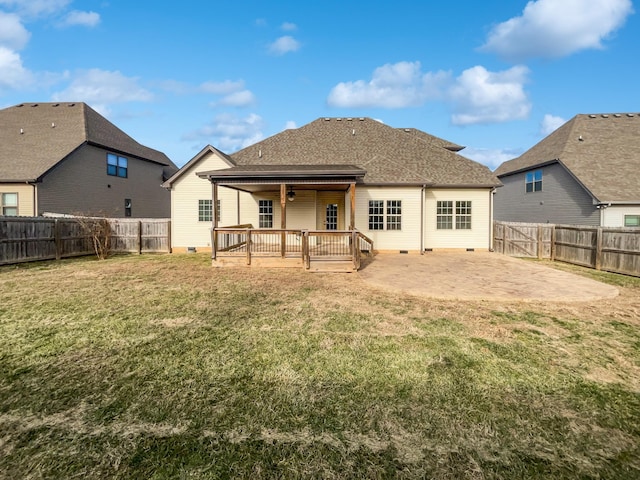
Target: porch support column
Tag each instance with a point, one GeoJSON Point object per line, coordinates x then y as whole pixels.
{"type": "Point", "coordinates": [283, 219]}
{"type": "Point", "coordinates": [352, 195]}
{"type": "Point", "coordinates": [214, 219]}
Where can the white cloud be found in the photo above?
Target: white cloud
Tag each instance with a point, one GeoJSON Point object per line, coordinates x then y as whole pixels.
{"type": "Point", "coordinates": [491, 157]}
{"type": "Point", "coordinates": [396, 85]}
{"type": "Point", "coordinates": [289, 27]}
{"type": "Point", "coordinates": [481, 96]}
{"type": "Point", "coordinates": [12, 33]}
{"type": "Point", "coordinates": [101, 87]}
{"type": "Point", "coordinates": [556, 28]}
{"type": "Point", "coordinates": [550, 123]}
{"type": "Point", "coordinates": [284, 45]}
{"type": "Point", "coordinates": [221, 88]}
{"type": "Point", "coordinates": [229, 132]}
{"type": "Point", "coordinates": [36, 8]}
{"type": "Point", "coordinates": [243, 98]}
{"type": "Point", "coordinates": [14, 75]}
{"type": "Point", "coordinates": [85, 19]}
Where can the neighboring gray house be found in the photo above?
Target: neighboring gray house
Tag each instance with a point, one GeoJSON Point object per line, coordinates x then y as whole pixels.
{"type": "Point", "coordinates": [587, 172]}
{"type": "Point", "coordinates": [67, 158]}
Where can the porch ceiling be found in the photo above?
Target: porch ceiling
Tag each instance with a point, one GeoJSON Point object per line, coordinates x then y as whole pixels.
{"type": "Point", "coordinates": [268, 178]}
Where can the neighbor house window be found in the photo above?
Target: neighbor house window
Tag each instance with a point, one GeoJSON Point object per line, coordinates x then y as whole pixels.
{"type": "Point", "coordinates": [463, 215]}
{"type": "Point", "coordinates": [448, 218]}
{"type": "Point", "coordinates": [376, 214]}
{"type": "Point", "coordinates": [632, 220]}
{"type": "Point", "coordinates": [379, 216]}
{"type": "Point", "coordinates": [265, 214]}
{"type": "Point", "coordinates": [116, 165]}
{"type": "Point", "coordinates": [533, 181]}
{"type": "Point", "coordinates": [9, 204]}
{"type": "Point", "coordinates": [444, 215]}
{"type": "Point", "coordinates": [205, 214]}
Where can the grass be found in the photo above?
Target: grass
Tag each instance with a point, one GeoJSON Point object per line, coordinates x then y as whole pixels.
{"type": "Point", "coordinates": [163, 367]}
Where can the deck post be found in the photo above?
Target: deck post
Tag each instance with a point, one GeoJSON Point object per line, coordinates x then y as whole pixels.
{"type": "Point", "coordinates": [352, 197]}
{"type": "Point", "coordinates": [283, 219]}
{"type": "Point", "coordinates": [214, 219]}
{"type": "Point", "coordinates": [248, 246]}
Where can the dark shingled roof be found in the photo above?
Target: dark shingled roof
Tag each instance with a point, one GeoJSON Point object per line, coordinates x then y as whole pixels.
{"type": "Point", "coordinates": [51, 131]}
{"type": "Point", "coordinates": [390, 156]}
{"type": "Point", "coordinates": [602, 151]}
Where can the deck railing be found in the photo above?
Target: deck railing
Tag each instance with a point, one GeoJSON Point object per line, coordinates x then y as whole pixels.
{"type": "Point", "coordinates": [307, 245]}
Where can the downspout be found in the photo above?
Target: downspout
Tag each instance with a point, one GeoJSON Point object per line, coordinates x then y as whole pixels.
{"type": "Point", "coordinates": [492, 192]}
{"type": "Point", "coordinates": [237, 207]}
{"type": "Point", "coordinates": [422, 200]}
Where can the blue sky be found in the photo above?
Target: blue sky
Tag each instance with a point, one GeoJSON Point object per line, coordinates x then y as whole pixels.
{"type": "Point", "coordinates": [496, 76]}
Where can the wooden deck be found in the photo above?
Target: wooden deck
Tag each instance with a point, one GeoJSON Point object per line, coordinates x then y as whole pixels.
{"type": "Point", "coordinates": [313, 250]}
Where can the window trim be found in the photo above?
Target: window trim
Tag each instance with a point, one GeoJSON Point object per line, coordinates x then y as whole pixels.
{"type": "Point", "coordinates": [454, 215]}
{"type": "Point", "coordinates": [532, 183]}
{"type": "Point", "coordinates": [385, 215]}
{"type": "Point", "coordinates": [117, 166]}
{"type": "Point", "coordinates": [265, 217]}
{"type": "Point", "coordinates": [4, 207]}
{"type": "Point", "coordinates": [630, 216]}
{"type": "Point", "coordinates": [205, 213]}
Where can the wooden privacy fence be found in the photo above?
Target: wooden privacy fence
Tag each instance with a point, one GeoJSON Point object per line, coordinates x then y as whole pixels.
{"type": "Point", "coordinates": [603, 248]}
{"type": "Point", "coordinates": [27, 239]}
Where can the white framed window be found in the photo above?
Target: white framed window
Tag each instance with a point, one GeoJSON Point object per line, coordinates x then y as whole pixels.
{"type": "Point", "coordinates": [463, 215]}
{"type": "Point", "coordinates": [376, 214]}
{"type": "Point", "coordinates": [117, 166]}
{"type": "Point", "coordinates": [394, 214]}
{"type": "Point", "coordinates": [450, 218]}
{"type": "Point", "coordinates": [632, 220]}
{"type": "Point", "coordinates": [265, 214]}
{"type": "Point", "coordinates": [444, 215]}
{"type": "Point", "coordinates": [9, 204]}
{"type": "Point", "coordinates": [533, 181]}
{"type": "Point", "coordinates": [383, 214]}
{"type": "Point", "coordinates": [205, 214]}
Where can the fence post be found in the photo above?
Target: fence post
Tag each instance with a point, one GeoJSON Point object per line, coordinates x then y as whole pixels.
{"type": "Point", "coordinates": [139, 237]}
{"type": "Point", "coordinates": [553, 243]}
{"type": "Point", "coordinates": [539, 240]}
{"type": "Point", "coordinates": [598, 259]}
{"type": "Point", "coordinates": [168, 236]}
{"type": "Point", "coordinates": [57, 240]}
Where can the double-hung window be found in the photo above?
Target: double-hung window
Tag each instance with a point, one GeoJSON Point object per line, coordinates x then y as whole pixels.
{"type": "Point", "coordinates": [452, 215]}
{"type": "Point", "coordinates": [117, 166]}
{"type": "Point", "coordinates": [205, 213]}
{"type": "Point", "coordinates": [9, 204]}
{"type": "Point", "coordinates": [265, 214]}
{"type": "Point", "coordinates": [385, 214]}
{"type": "Point", "coordinates": [632, 220]}
{"type": "Point", "coordinates": [533, 181]}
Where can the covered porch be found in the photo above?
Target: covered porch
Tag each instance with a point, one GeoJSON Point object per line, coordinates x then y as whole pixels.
{"type": "Point", "coordinates": [317, 218]}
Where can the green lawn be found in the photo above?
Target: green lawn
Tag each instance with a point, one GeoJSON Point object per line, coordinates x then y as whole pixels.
{"type": "Point", "coordinates": [164, 367]}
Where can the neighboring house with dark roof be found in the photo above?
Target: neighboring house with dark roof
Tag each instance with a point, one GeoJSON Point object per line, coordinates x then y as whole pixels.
{"type": "Point", "coordinates": [587, 172]}
{"type": "Point", "coordinates": [67, 158]}
{"type": "Point", "coordinates": [405, 189]}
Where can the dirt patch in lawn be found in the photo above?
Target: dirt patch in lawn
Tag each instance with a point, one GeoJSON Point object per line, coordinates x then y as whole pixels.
{"type": "Point", "coordinates": [480, 276]}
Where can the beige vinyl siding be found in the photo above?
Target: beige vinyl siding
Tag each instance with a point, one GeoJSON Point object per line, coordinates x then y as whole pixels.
{"type": "Point", "coordinates": [408, 237]}
{"type": "Point", "coordinates": [613, 216]}
{"type": "Point", "coordinates": [25, 197]}
{"type": "Point", "coordinates": [479, 234]}
{"type": "Point", "coordinates": [186, 230]}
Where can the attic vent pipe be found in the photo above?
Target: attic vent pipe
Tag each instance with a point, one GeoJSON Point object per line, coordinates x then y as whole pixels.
{"type": "Point", "coordinates": [53, 125]}
{"type": "Point", "coordinates": [353, 132]}
{"type": "Point", "coordinates": [259, 153]}
{"type": "Point", "coordinates": [21, 131]}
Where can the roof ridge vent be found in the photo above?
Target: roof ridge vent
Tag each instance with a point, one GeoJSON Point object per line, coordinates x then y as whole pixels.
{"type": "Point", "coordinates": [338, 119]}
{"type": "Point", "coordinates": [326, 119]}
{"type": "Point", "coordinates": [617, 115]}
{"type": "Point", "coordinates": [630, 114]}
{"type": "Point", "coordinates": [361, 119]}
{"type": "Point", "coordinates": [592, 116]}
{"type": "Point", "coordinates": [604, 115]}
